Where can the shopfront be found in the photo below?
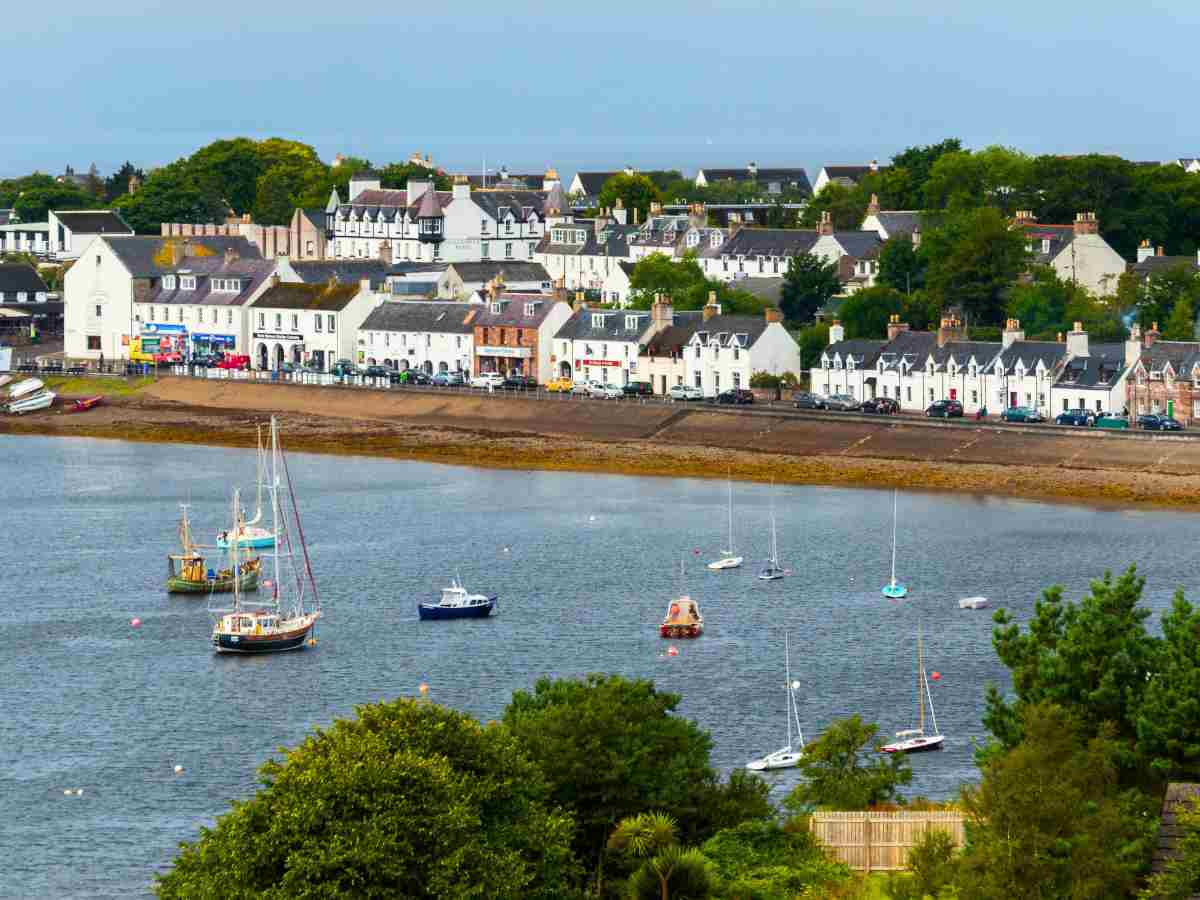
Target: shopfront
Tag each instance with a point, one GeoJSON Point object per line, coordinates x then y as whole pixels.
{"type": "Point", "coordinates": [274, 348]}
{"type": "Point", "coordinates": [504, 360]}
{"type": "Point", "coordinates": [160, 343]}
{"type": "Point", "coordinates": [208, 344]}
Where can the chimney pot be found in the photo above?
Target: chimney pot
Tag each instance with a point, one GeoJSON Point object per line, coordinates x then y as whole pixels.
{"type": "Point", "coordinates": [1158, 251]}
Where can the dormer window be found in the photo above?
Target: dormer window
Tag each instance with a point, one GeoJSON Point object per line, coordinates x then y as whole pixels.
{"type": "Point", "coordinates": [849, 363]}
{"type": "Point", "coordinates": [187, 282]}
{"type": "Point", "coordinates": [631, 322]}
{"type": "Point", "coordinates": [531, 308]}
{"type": "Point", "coordinates": [974, 370]}
{"type": "Point", "coordinates": [1045, 245]}
{"type": "Point", "coordinates": [597, 320]}
{"type": "Point", "coordinates": [497, 308]}
{"type": "Point", "coordinates": [226, 285]}
{"type": "Point", "coordinates": [168, 282]}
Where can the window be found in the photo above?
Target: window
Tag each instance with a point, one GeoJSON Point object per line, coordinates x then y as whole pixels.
{"type": "Point", "coordinates": [697, 351]}
{"type": "Point", "coordinates": [278, 321]}
{"type": "Point", "coordinates": [178, 314]}
{"type": "Point", "coordinates": [737, 380]}
{"type": "Point", "coordinates": [99, 310]}
{"type": "Point", "coordinates": [908, 394]}
{"type": "Point", "coordinates": [330, 322]}
{"type": "Point", "coordinates": [168, 282]}
{"type": "Point", "coordinates": [262, 320]}
{"type": "Point", "coordinates": [1066, 404]}
{"type": "Point", "coordinates": [458, 342]}
{"type": "Point", "coordinates": [604, 350]}
{"type": "Point", "coordinates": [508, 251]}
{"type": "Point", "coordinates": [531, 309]}
{"type": "Point", "coordinates": [736, 352]}
{"type": "Point", "coordinates": [974, 396]}
{"type": "Point", "coordinates": [187, 282]}
{"type": "Point", "coordinates": [698, 384]}
{"type": "Point", "coordinates": [316, 323]}
{"type": "Point", "coordinates": [484, 250]}
{"type": "Point", "coordinates": [229, 317]}
{"type": "Point", "coordinates": [1041, 401]}
{"type": "Point", "coordinates": [93, 341]}
{"type": "Point", "coordinates": [483, 226]}
{"type": "Point", "coordinates": [717, 380]}
{"type": "Point", "coordinates": [97, 263]}
{"type": "Point", "coordinates": [1099, 408]}
{"type": "Point", "coordinates": [428, 340]}
{"type": "Point", "coordinates": [931, 395]}
{"type": "Point", "coordinates": [370, 338]}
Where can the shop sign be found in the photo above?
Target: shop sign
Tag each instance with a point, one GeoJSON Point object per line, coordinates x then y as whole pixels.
{"type": "Point", "coordinates": [227, 340]}
{"type": "Point", "coordinates": [156, 328]}
{"type": "Point", "coordinates": [601, 362]}
{"type": "Point", "coordinates": [278, 336]}
{"type": "Point", "coordinates": [507, 352]}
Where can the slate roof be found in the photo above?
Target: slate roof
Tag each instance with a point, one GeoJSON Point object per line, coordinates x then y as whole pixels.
{"type": "Point", "coordinates": [1059, 236]}
{"type": "Point", "coordinates": [1030, 353]}
{"type": "Point", "coordinates": [909, 347]}
{"type": "Point", "coordinates": [492, 202]}
{"type": "Point", "coordinates": [898, 221]}
{"type": "Point", "coordinates": [1100, 369]}
{"type": "Point", "coordinates": [859, 244]}
{"type": "Point", "coordinates": [430, 206]}
{"type": "Point", "coordinates": [850, 174]}
{"type": "Point", "coordinates": [512, 271]}
{"type": "Point", "coordinates": [18, 276]}
{"type": "Point", "coordinates": [1182, 355]}
{"type": "Point", "coordinates": [864, 352]}
{"type": "Point", "coordinates": [319, 271]}
{"type": "Point", "coordinates": [782, 176]}
{"type": "Point", "coordinates": [612, 242]}
{"type": "Point", "coordinates": [149, 256]}
{"type": "Point", "coordinates": [387, 197]}
{"type": "Point", "coordinates": [672, 339]}
{"type": "Point", "coordinates": [318, 217]}
{"type": "Point", "coordinates": [1157, 265]}
{"type": "Point", "coordinates": [751, 242]}
{"type": "Point", "coordinates": [581, 326]}
{"type": "Point", "coordinates": [962, 352]}
{"type": "Point", "coordinates": [324, 297]}
{"type": "Point", "coordinates": [593, 181]}
{"type": "Point", "coordinates": [99, 221]}
{"type": "Point", "coordinates": [251, 272]}
{"type": "Point", "coordinates": [437, 316]}
{"type": "Point", "coordinates": [768, 290]}
{"type": "Point", "coordinates": [725, 329]}
{"type": "Point", "coordinates": [513, 311]}
{"type": "Point", "coordinates": [1170, 832]}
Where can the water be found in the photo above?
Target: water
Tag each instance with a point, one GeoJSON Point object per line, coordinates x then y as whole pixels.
{"type": "Point", "coordinates": [590, 565]}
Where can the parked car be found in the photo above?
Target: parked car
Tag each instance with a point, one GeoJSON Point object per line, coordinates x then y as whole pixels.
{"type": "Point", "coordinates": [1156, 422]}
{"type": "Point", "coordinates": [685, 392]}
{"type": "Point", "coordinates": [841, 403]}
{"type": "Point", "coordinates": [638, 389]}
{"type": "Point", "coordinates": [520, 383]}
{"type": "Point", "coordinates": [234, 361]}
{"type": "Point", "coordinates": [582, 387]}
{"type": "Point", "coordinates": [607, 392]}
{"type": "Point", "coordinates": [77, 370]}
{"type": "Point", "coordinates": [487, 380]}
{"type": "Point", "coordinates": [1074, 417]}
{"type": "Point", "coordinates": [736, 396]}
{"type": "Point", "coordinates": [206, 360]}
{"type": "Point", "coordinates": [559, 385]}
{"type": "Point", "coordinates": [343, 368]}
{"type": "Point", "coordinates": [447, 379]}
{"type": "Point", "coordinates": [1111, 420]}
{"type": "Point", "coordinates": [805, 400]}
{"type": "Point", "coordinates": [416, 376]}
{"type": "Point", "coordinates": [945, 409]}
{"type": "Point", "coordinates": [1022, 414]}
{"type": "Point", "coordinates": [884, 406]}
{"type": "Point", "coordinates": [377, 372]}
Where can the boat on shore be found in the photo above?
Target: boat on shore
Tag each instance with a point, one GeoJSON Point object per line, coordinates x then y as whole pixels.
{"type": "Point", "coordinates": [24, 388]}
{"type": "Point", "coordinates": [288, 618]}
{"type": "Point", "coordinates": [188, 574]}
{"type": "Point", "coordinates": [915, 740]}
{"type": "Point", "coordinates": [456, 603]}
{"type": "Point", "coordinates": [787, 757]}
{"type": "Point", "coordinates": [84, 403]}
{"type": "Point", "coordinates": [32, 403]}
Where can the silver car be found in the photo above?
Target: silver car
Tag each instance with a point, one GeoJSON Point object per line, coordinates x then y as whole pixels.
{"type": "Point", "coordinates": [685, 392]}
{"type": "Point", "coordinates": [842, 403]}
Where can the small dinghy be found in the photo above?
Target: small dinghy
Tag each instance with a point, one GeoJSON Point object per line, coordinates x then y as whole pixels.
{"type": "Point", "coordinates": [84, 403]}
{"type": "Point", "coordinates": [973, 603]}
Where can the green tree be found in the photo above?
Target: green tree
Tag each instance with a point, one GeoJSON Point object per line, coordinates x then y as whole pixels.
{"type": "Point", "coordinates": [865, 313]}
{"type": "Point", "coordinates": [684, 282]}
{"type": "Point", "coordinates": [847, 207]}
{"type": "Point", "coordinates": [900, 265]}
{"type": "Point", "coordinates": [1168, 715]}
{"type": "Point", "coordinates": [932, 868]}
{"type": "Point", "coordinates": [844, 769]}
{"type": "Point", "coordinates": [1180, 878]}
{"type": "Point", "coordinates": [117, 184]}
{"type": "Point", "coordinates": [34, 205]}
{"type": "Point", "coordinates": [12, 188]}
{"type": "Point", "coordinates": [611, 749]}
{"type": "Point", "coordinates": [904, 180]}
{"type": "Point", "coordinates": [807, 286]}
{"type": "Point", "coordinates": [1049, 818]}
{"type": "Point", "coordinates": [812, 341]}
{"type": "Point", "coordinates": [636, 192]}
{"type": "Point", "coordinates": [169, 195]}
{"type": "Point", "coordinates": [765, 860]}
{"type": "Point", "coordinates": [279, 189]}
{"type": "Point", "coordinates": [408, 799]}
{"type": "Point", "coordinates": [1157, 299]}
{"type": "Point", "coordinates": [228, 171]}
{"type": "Point", "coordinates": [666, 869]}
{"type": "Point", "coordinates": [1181, 324]}
{"type": "Point", "coordinates": [397, 175]}
{"type": "Point", "coordinates": [1041, 304]}
{"type": "Point", "coordinates": [974, 258]}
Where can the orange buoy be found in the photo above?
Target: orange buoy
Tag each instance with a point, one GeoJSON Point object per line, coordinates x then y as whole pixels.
{"type": "Point", "coordinates": [423, 688]}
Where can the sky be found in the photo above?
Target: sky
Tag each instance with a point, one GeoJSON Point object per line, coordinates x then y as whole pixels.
{"type": "Point", "coordinates": [595, 85]}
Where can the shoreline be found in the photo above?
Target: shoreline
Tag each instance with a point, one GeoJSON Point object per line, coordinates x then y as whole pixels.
{"type": "Point", "coordinates": [487, 433]}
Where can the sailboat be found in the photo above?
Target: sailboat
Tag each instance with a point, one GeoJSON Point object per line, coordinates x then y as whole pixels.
{"type": "Point", "coordinates": [915, 740]}
{"type": "Point", "coordinates": [773, 571]}
{"type": "Point", "coordinates": [788, 757]}
{"type": "Point", "coordinates": [251, 534]}
{"type": "Point", "coordinates": [287, 620]}
{"type": "Point", "coordinates": [729, 560]}
{"type": "Point", "coordinates": [893, 589]}
{"type": "Point", "coordinates": [187, 574]}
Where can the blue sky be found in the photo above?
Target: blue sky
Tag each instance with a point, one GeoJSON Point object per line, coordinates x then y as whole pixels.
{"type": "Point", "coordinates": [595, 85]}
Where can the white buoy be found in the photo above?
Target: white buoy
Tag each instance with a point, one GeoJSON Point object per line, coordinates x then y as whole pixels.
{"type": "Point", "coordinates": [178, 769]}
{"type": "Point", "coordinates": [591, 518]}
{"type": "Point", "coordinates": [78, 792]}
{"type": "Point", "coordinates": [67, 792]}
{"type": "Point", "coordinates": [505, 549]}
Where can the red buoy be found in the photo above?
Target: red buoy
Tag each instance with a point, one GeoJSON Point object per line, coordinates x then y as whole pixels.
{"type": "Point", "coordinates": [936, 676]}
{"type": "Point", "coordinates": [135, 622]}
{"type": "Point", "coordinates": [672, 651]}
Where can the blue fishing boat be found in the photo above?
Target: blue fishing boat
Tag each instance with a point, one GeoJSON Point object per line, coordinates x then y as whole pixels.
{"type": "Point", "coordinates": [456, 603]}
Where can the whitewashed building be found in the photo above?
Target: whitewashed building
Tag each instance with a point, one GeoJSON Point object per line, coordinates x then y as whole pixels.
{"type": "Point", "coordinates": [1077, 253]}
{"type": "Point", "coordinates": [430, 336]}
{"type": "Point", "coordinates": [309, 324]}
{"type": "Point", "coordinates": [71, 231]}
{"type": "Point", "coordinates": [21, 283]}
{"type": "Point", "coordinates": [755, 253]}
{"type": "Point", "coordinates": [602, 345]}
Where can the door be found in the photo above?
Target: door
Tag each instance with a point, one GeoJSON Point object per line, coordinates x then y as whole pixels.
{"type": "Point", "coordinates": [1012, 398]}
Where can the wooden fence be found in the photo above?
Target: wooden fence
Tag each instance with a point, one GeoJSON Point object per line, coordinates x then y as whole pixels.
{"type": "Point", "coordinates": [880, 841]}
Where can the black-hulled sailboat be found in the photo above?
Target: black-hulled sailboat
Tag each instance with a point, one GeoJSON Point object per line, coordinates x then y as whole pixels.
{"type": "Point", "coordinates": [287, 620]}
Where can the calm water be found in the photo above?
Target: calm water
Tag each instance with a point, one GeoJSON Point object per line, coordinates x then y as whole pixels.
{"type": "Point", "coordinates": [584, 566]}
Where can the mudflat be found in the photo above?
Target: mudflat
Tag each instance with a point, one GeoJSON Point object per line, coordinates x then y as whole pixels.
{"type": "Point", "coordinates": [651, 438]}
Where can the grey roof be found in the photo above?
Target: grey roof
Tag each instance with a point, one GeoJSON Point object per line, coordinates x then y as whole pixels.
{"type": "Point", "coordinates": [724, 329]}
{"type": "Point", "coordinates": [297, 295]}
{"type": "Point", "coordinates": [899, 221]}
{"type": "Point", "coordinates": [148, 256]}
{"type": "Point", "coordinates": [96, 221]}
{"type": "Point", "coordinates": [582, 326]}
{"type": "Point", "coordinates": [379, 197]}
{"type": "Point", "coordinates": [319, 271]}
{"type": "Point", "coordinates": [18, 277]}
{"type": "Point", "coordinates": [492, 202]}
{"type": "Point", "coordinates": [611, 242]}
{"type": "Point", "coordinates": [1182, 355]}
{"type": "Point", "coordinates": [1059, 236]}
{"type": "Point", "coordinates": [962, 352]}
{"type": "Point", "coordinates": [1157, 265]}
{"type": "Point", "coordinates": [852, 174]}
{"type": "Point", "coordinates": [510, 270]}
{"type": "Point", "coordinates": [556, 198]}
{"type": "Point", "coordinates": [909, 347]}
{"type": "Point", "coordinates": [864, 352]}
{"type": "Point", "coordinates": [627, 267]}
{"type": "Point", "coordinates": [1101, 368]}
{"type": "Point", "coordinates": [430, 206]}
{"type": "Point", "coordinates": [513, 310]}
{"type": "Point", "coordinates": [250, 272]}
{"type": "Point", "coordinates": [782, 176]}
{"type": "Point", "coordinates": [1030, 353]}
{"type": "Point", "coordinates": [859, 244]}
{"type": "Point", "coordinates": [672, 339]}
{"type": "Point", "coordinates": [438, 316]}
{"type": "Point", "coordinates": [752, 242]}
{"type": "Point", "coordinates": [768, 290]}
{"type": "Point", "coordinates": [317, 216]}
{"type": "Point", "coordinates": [593, 181]}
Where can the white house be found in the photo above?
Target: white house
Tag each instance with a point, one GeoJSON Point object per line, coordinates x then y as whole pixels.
{"type": "Point", "coordinates": [616, 286]}
{"type": "Point", "coordinates": [846, 176]}
{"type": "Point", "coordinates": [674, 235]}
{"type": "Point", "coordinates": [1076, 252]}
{"type": "Point", "coordinates": [755, 252]}
{"type": "Point", "coordinates": [892, 223]}
{"type": "Point", "coordinates": [309, 324]}
{"type": "Point", "coordinates": [602, 345]}
{"type": "Point", "coordinates": [856, 254]}
{"type": "Point", "coordinates": [461, 279]}
{"type": "Point", "coordinates": [583, 253]}
{"type": "Point", "coordinates": [432, 336]}
{"type": "Point", "coordinates": [26, 237]}
{"type": "Point", "coordinates": [71, 231]}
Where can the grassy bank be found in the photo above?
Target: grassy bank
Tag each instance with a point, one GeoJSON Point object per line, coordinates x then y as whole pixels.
{"type": "Point", "coordinates": [108, 386]}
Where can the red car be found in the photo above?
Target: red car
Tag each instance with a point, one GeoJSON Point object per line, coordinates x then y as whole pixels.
{"type": "Point", "coordinates": [234, 361]}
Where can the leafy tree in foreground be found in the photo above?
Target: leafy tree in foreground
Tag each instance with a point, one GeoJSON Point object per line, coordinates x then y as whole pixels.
{"type": "Point", "coordinates": [932, 868]}
{"type": "Point", "coordinates": [836, 772]}
{"type": "Point", "coordinates": [865, 313]}
{"type": "Point", "coordinates": [407, 800]}
{"type": "Point", "coordinates": [1168, 714]}
{"type": "Point", "coordinates": [1049, 818]}
{"type": "Point", "coordinates": [807, 286]}
{"type": "Point", "coordinates": [1180, 879]}
{"type": "Point", "coordinates": [666, 869]}
{"type": "Point", "coordinates": [169, 195]}
{"type": "Point", "coordinates": [769, 861]}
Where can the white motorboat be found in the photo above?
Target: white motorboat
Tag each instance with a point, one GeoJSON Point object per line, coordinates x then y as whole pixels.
{"type": "Point", "coordinates": [972, 602]}
{"type": "Point", "coordinates": [24, 388]}
{"type": "Point", "coordinates": [915, 740]}
{"type": "Point", "coordinates": [730, 560]}
{"type": "Point", "coordinates": [32, 403]}
{"type": "Point", "coordinates": [893, 590]}
{"type": "Point", "coordinates": [787, 757]}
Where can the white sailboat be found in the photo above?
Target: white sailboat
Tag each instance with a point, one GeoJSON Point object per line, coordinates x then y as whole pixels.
{"type": "Point", "coordinates": [730, 560]}
{"type": "Point", "coordinates": [915, 740]}
{"type": "Point", "coordinates": [892, 589]}
{"type": "Point", "coordinates": [250, 533]}
{"type": "Point", "coordinates": [773, 571]}
{"type": "Point", "coordinates": [787, 757]}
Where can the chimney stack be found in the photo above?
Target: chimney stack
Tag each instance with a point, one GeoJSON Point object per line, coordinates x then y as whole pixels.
{"type": "Point", "coordinates": [1145, 251]}
{"type": "Point", "coordinates": [951, 329]}
{"type": "Point", "coordinates": [826, 226]}
{"type": "Point", "coordinates": [1158, 251]}
{"type": "Point", "coordinates": [231, 255]}
{"type": "Point", "coordinates": [619, 212]}
{"type": "Point", "coordinates": [874, 165]}
{"type": "Point", "coordinates": [1077, 341]}
{"type": "Point", "coordinates": [895, 327]}
{"type": "Point", "coordinates": [385, 252]}
{"type": "Point", "coordinates": [1085, 223]}
{"type": "Point", "coordinates": [1151, 336]}
{"type": "Point", "coordinates": [1133, 346]}
{"type": "Point", "coordinates": [1011, 334]}
{"type": "Point", "coordinates": [752, 169]}
{"type": "Point", "coordinates": [773, 314]}
{"type": "Point", "coordinates": [873, 206]}
{"type": "Point", "coordinates": [712, 307]}
{"type": "Point", "coordinates": [578, 304]}
{"type": "Point", "coordinates": [655, 208]}
{"type": "Point", "coordinates": [1024, 217]}
{"type": "Point", "coordinates": [837, 333]}
{"type": "Point", "coordinates": [461, 188]}
{"type": "Point", "coordinates": [662, 312]}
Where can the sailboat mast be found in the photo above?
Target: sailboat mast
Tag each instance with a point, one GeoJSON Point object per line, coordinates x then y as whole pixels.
{"type": "Point", "coordinates": [258, 510]}
{"type": "Point", "coordinates": [894, 537]}
{"type": "Point", "coordinates": [731, 513]}
{"type": "Point", "coordinates": [787, 665]}
{"type": "Point", "coordinates": [920, 682]}
{"type": "Point", "coordinates": [233, 555]}
{"type": "Point", "coordinates": [275, 506]}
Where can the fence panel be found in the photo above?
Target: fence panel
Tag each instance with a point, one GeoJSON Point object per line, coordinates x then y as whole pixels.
{"type": "Point", "coordinates": [880, 841]}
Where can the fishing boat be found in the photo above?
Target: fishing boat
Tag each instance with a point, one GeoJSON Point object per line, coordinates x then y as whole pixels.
{"type": "Point", "coordinates": [730, 560]}
{"type": "Point", "coordinates": [773, 571]}
{"type": "Point", "coordinates": [287, 621]}
{"type": "Point", "coordinates": [24, 388]}
{"type": "Point", "coordinates": [915, 740]}
{"type": "Point", "coordinates": [894, 590]}
{"type": "Point", "coordinates": [84, 403]}
{"type": "Point", "coordinates": [787, 757]}
{"type": "Point", "coordinates": [32, 403]}
{"type": "Point", "coordinates": [250, 533]}
{"type": "Point", "coordinates": [187, 573]}
{"type": "Point", "coordinates": [456, 603]}
{"type": "Point", "coordinates": [683, 619]}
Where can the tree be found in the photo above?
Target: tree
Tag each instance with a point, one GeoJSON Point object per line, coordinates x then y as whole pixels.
{"type": "Point", "coordinates": [807, 286]}
{"type": "Point", "coordinates": [836, 774]}
{"type": "Point", "coordinates": [1168, 716]}
{"type": "Point", "coordinates": [228, 171]}
{"type": "Point", "coordinates": [611, 749]}
{"type": "Point", "coordinates": [1181, 324]}
{"type": "Point", "coordinates": [1049, 818]}
{"type": "Point", "coordinates": [932, 868]}
{"type": "Point", "coordinates": [900, 265]}
{"type": "Point", "coordinates": [812, 341]}
{"type": "Point", "coordinates": [117, 184]}
{"type": "Point", "coordinates": [915, 163]}
{"type": "Point", "coordinates": [865, 313]}
{"type": "Point", "coordinates": [684, 283]}
{"type": "Point", "coordinates": [1156, 300]}
{"type": "Point", "coordinates": [636, 192]}
{"type": "Point", "coordinates": [397, 175]}
{"type": "Point", "coordinates": [769, 861]}
{"type": "Point", "coordinates": [169, 195]}
{"type": "Point", "coordinates": [847, 207]}
{"type": "Point", "coordinates": [34, 205]}
{"type": "Point", "coordinates": [12, 188]}
{"type": "Point", "coordinates": [666, 868]}
{"type": "Point", "coordinates": [407, 799]}
{"type": "Point", "coordinates": [278, 190]}
{"type": "Point", "coordinates": [1041, 304]}
{"type": "Point", "coordinates": [974, 257]}
{"type": "Point", "coordinates": [1180, 878]}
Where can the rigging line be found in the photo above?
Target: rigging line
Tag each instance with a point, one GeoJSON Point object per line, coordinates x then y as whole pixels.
{"type": "Point", "coordinates": [300, 529]}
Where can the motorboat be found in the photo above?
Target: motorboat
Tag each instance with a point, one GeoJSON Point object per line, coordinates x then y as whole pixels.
{"type": "Point", "coordinates": [683, 620]}
{"type": "Point", "coordinates": [32, 403]}
{"type": "Point", "coordinates": [915, 740]}
{"type": "Point", "coordinates": [457, 603]}
{"type": "Point", "coordinates": [973, 603]}
{"type": "Point", "coordinates": [24, 388]}
{"type": "Point", "coordinates": [787, 757]}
